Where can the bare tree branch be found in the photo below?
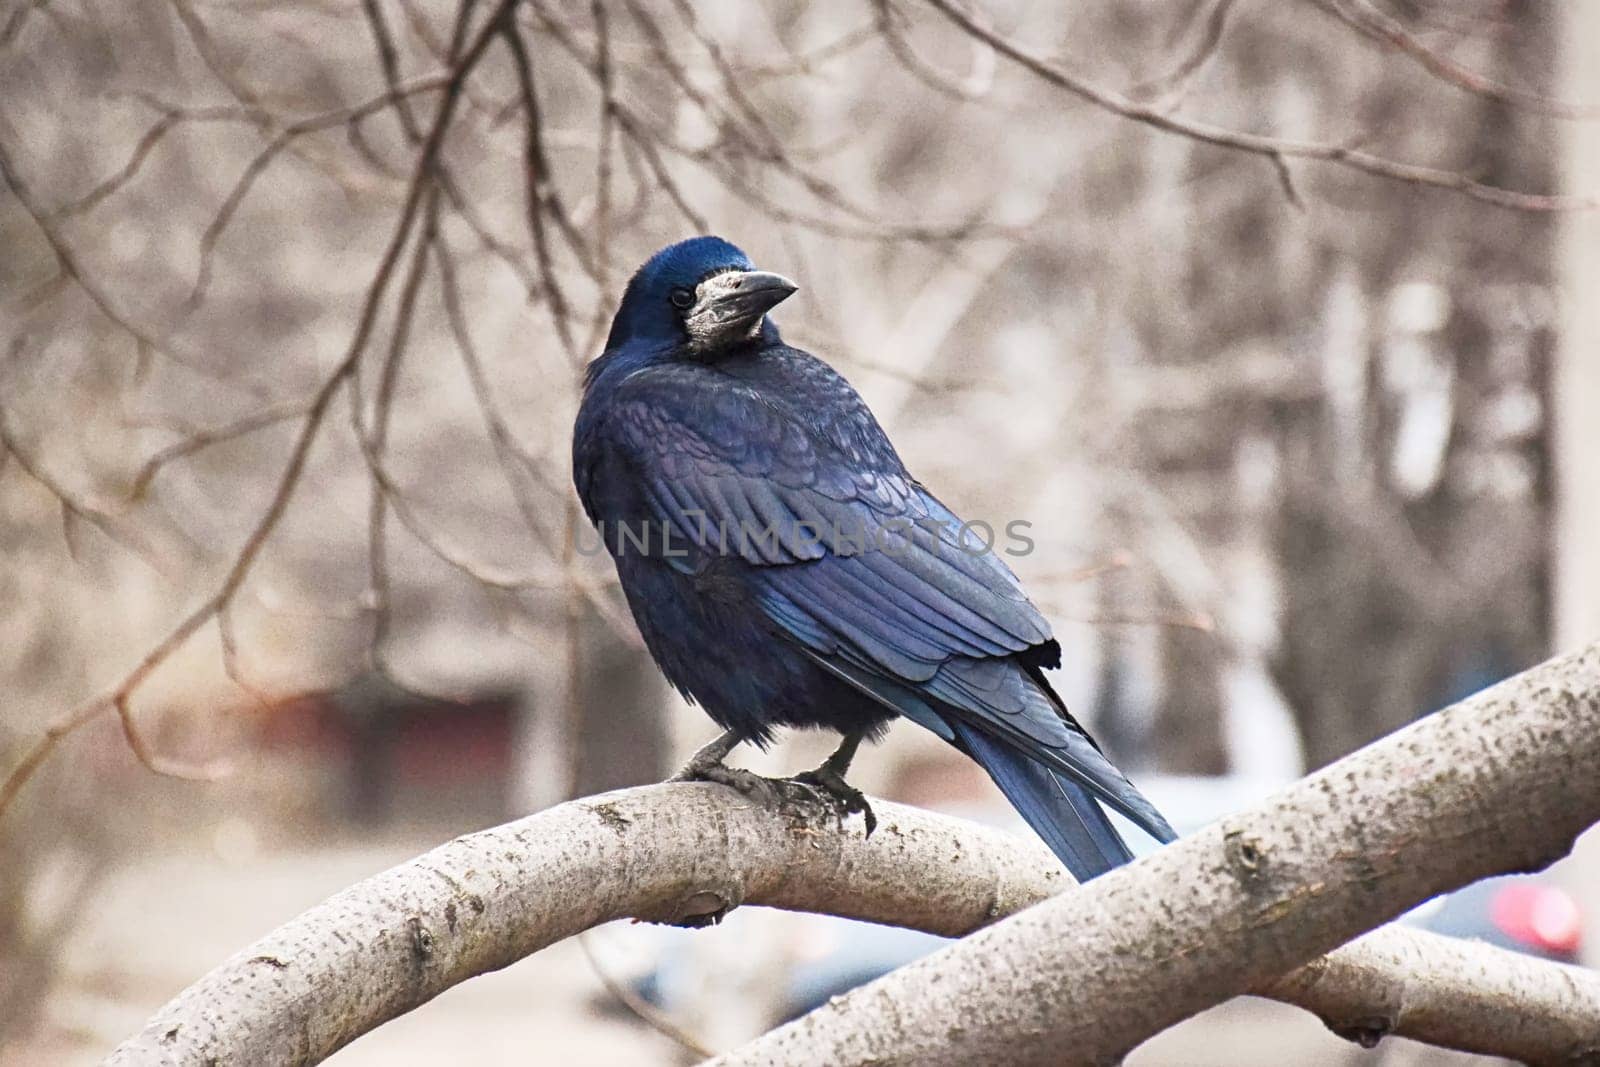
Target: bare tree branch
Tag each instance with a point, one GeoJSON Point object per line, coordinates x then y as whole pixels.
{"type": "Point", "coordinates": [1475, 789]}
{"type": "Point", "coordinates": [541, 193]}
{"type": "Point", "coordinates": [204, 439]}
{"type": "Point", "coordinates": [206, 47]}
{"type": "Point", "coordinates": [1483, 787]}
{"type": "Point", "coordinates": [120, 694]}
{"type": "Point", "coordinates": [74, 507]}
{"type": "Point", "coordinates": [1170, 85]}
{"type": "Point", "coordinates": [375, 440]}
{"type": "Point", "coordinates": [286, 136]}
{"type": "Point", "coordinates": [70, 266]}
{"type": "Point", "coordinates": [1275, 150]}
{"type": "Point", "coordinates": [1370, 21]}
{"type": "Point", "coordinates": [673, 853]}
{"type": "Point", "coordinates": [890, 25]}
{"type": "Point", "coordinates": [170, 118]}
{"type": "Point", "coordinates": [389, 60]}
{"type": "Point", "coordinates": [641, 1008]}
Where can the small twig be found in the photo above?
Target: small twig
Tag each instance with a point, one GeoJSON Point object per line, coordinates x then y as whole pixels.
{"type": "Point", "coordinates": [244, 560]}
{"type": "Point", "coordinates": [233, 659]}
{"type": "Point", "coordinates": [1169, 85]}
{"type": "Point", "coordinates": [68, 266]}
{"type": "Point", "coordinates": [18, 19]}
{"type": "Point", "coordinates": [1198, 620]}
{"type": "Point", "coordinates": [389, 61]}
{"type": "Point", "coordinates": [154, 761]}
{"type": "Point", "coordinates": [73, 507]}
{"type": "Point", "coordinates": [806, 63]}
{"type": "Point", "coordinates": [641, 1008]}
{"type": "Point", "coordinates": [374, 443]}
{"type": "Point", "coordinates": [512, 455]}
{"type": "Point", "coordinates": [604, 149]}
{"type": "Point", "coordinates": [658, 169]}
{"type": "Point", "coordinates": [1372, 23]}
{"type": "Point", "coordinates": [972, 88]}
{"type": "Point", "coordinates": [128, 171]}
{"type": "Point", "coordinates": [539, 191]}
{"type": "Point", "coordinates": [204, 439]}
{"type": "Point", "coordinates": [206, 47]}
{"type": "Point", "coordinates": [1275, 150]}
{"type": "Point", "coordinates": [280, 141]}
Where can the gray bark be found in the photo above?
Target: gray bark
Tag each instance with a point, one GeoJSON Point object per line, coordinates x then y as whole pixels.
{"type": "Point", "coordinates": [662, 853]}
{"type": "Point", "coordinates": [1501, 781]}
{"type": "Point", "coordinates": [1461, 994]}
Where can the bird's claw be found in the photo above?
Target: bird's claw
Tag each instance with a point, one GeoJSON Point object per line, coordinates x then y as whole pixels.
{"type": "Point", "coordinates": [846, 799]}
{"type": "Point", "coordinates": [762, 790]}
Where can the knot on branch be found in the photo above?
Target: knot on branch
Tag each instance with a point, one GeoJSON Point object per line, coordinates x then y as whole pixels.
{"type": "Point", "coordinates": [1366, 1032]}
{"type": "Point", "coordinates": [422, 941]}
{"type": "Point", "coordinates": [1246, 856]}
{"type": "Point", "coordinates": [704, 908]}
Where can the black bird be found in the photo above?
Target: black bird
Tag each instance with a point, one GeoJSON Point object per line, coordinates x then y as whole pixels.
{"type": "Point", "coordinates": [786, 570]}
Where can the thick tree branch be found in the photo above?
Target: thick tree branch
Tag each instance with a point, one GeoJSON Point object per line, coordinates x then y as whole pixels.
{"type": "Point", "coordinates": [669, 853]}
{"type": "Point", "coordinates": [1462, 994]}
{"type": "Point", "coordinates": [1492, 783]}
{"type": "Point", "coordinates": [1502, 781]}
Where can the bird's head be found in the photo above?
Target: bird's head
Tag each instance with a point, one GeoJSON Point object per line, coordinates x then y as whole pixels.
{"type": "Point", "coordinates": [702, 293]}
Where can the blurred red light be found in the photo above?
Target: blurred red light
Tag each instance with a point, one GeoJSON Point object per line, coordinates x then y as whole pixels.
{"type": "Point", "coordinates": [1539, 915]}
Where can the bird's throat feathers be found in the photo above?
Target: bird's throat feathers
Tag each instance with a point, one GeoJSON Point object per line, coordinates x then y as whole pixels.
{"type": "Point", "coordinates": [616, 363]}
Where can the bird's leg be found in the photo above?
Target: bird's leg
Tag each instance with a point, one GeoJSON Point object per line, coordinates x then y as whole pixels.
{"type": "Point", "coordinates": [706, 766]}
{"type": "Point", "coordinates": [829, 778]}
{"type": "Point", "coordinates": [707, 757]}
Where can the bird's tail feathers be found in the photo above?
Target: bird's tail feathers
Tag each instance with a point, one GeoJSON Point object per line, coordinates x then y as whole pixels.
{"type": "Point", "coordinates": [1062, 812]}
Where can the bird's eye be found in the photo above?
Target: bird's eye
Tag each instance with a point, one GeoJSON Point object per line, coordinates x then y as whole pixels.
{"type": "Point", "coordinates": [682, 299]}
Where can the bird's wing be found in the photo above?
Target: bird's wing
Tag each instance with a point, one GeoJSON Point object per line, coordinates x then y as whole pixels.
{"type": "Point", "coordinates": [723, 466]}
{"type": "Point", "coordinates": [918, 621]}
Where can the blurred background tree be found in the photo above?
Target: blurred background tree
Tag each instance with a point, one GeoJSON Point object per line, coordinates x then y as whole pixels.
{"type": "Point", "coordinates": [296, 299]}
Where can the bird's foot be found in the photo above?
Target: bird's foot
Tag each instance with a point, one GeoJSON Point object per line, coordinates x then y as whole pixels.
{"type": "Point", "coordinates": [846, 799]}
{"type": "Point", "coordinates": [799, 797]}
{"type": "Point", "coordinates": [802, 798]}
{"type": "Point", "coordinates": [768, 792]}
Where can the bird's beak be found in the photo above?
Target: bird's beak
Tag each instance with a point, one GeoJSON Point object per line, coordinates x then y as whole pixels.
{"type": "Point", "coordinates": [729, 306]}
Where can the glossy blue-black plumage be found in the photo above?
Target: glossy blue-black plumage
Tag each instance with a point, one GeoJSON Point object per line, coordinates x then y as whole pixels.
{"type": "Point", "coordinates": [849, 606]}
